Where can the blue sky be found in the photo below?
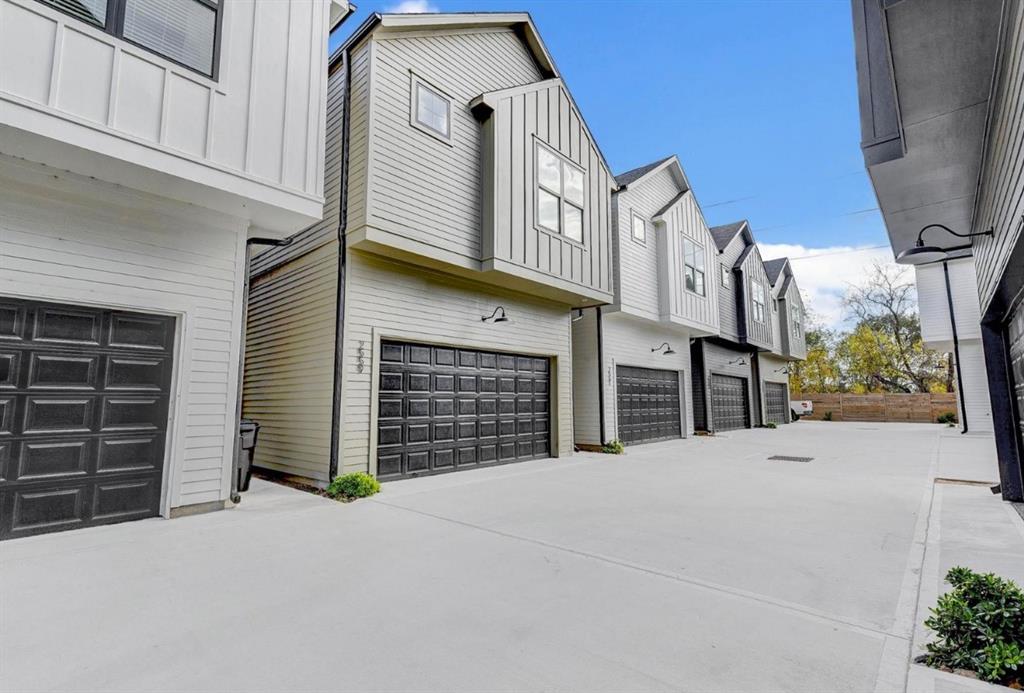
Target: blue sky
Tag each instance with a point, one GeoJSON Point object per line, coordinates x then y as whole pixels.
{"type": "Point", "coordinates": [758, 100]}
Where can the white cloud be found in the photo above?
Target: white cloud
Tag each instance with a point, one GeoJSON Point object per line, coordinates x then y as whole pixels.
{"type": "Point", "coordinates": [824, 274]}
{"type": "Point", "coordinates": [412, 7]}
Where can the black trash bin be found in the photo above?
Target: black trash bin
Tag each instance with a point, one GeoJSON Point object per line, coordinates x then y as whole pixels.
{"type": "Point", "coordinates": [247, 432]}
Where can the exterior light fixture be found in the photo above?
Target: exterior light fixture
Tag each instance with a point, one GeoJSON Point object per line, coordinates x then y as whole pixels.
{"type": "Point", "coordinates": [741, 361]}
{"type": "Point", "coordinates": [668, 351]}
{"type": "Point", "coordinates": [922, 254]}
{"type": "Point", "coordinates": [497, 316]}
{"type": "Point", "coordinates": [784, 369]}
{"type": "Point", "coordinates": [578, 316]}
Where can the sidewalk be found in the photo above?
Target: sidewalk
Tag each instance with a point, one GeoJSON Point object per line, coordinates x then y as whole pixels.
{"type": "Point", "coordinates": [967, 526]}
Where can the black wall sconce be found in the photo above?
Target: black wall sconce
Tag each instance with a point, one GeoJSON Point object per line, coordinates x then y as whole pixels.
{"type": "Point", "coordinates": [921, 254]}
{"type": "Point", "coordinates": [497, 316]}
{"type": "Point", "coordinates": [741, 361]}
{"type": "Point", "coordinates": [784, 369]}
{"type": "Point", "coordinates": [668, 351]}
{"type": "Point", "coordinates": [578, 316]}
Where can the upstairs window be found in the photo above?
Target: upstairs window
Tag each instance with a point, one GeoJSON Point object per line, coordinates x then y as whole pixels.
{"type": "Point", "coordinates": [693, 266]}
{"type": "Point", "coordinates": [796, 318]}
{"type": "Point", "coordinates": [639, 228]}
{"type": "Point", "coordinates": [775, 306]}
{"type": "Point", "coordinates": [431, 110]}
{"type": "Point", "coordinates": [757, 299]}
{"type": "Point", "coordinates": [725, 276]}
{"type": "Point", "coordinates": [560, 186]}
{"type": "Point", "coordinates": [183, 31]}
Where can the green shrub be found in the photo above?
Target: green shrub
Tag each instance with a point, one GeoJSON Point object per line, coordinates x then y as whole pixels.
{"type": "Point", "coordinates": [827, 416]}
{"type": "Point", "coordinates": [771, 424]}
{"type": "Point", "coordinates": [979, 626]}
{"type": "Point", "coordinates": [947, 418]}
{"type": "Point", "coordinates": [613, 447]}
{"type": "Point", "coordinates": [354, 485]}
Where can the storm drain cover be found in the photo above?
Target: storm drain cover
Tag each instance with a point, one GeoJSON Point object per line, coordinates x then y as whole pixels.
{"type": "Point", "coordinates": [790, 458]}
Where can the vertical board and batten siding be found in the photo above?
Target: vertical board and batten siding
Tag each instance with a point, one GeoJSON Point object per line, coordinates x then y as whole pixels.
{"type": "Point", "coordinates": [289, 363]}
{"type": "Point", "coordinates": [543, 113]}
{"type": "Point", "coordinates": [933, 302]}
{"type": "Point", "coordinates": [637, 272]}
{"type": "Point", "coordinates": [793, 345]}
{"type": "Point", "coordinates": [262, 120]}
{"type": "Point", "coordinates": [728, 310]}
{"type": "Point", "coordinates": [67, 239]}
{"type": "Point", "coordinates": [758, 333]}
{"type": "Point", "coordinates": [411, 183]}
{"type": "Point", "coordinates": [387, 299]}
{"type": "Point", "coordinates": [1001, 203]}
{"type": "Point", "coordinates": [628, 342]}
{"type": "Point", "coordinates": [586, 380]}
{"type": "Point", "coordinates": [684, 219]}
{"type": "Point", "coordinates": [717, 359]}
{"type": "Point", "coordinates": [266, 258]}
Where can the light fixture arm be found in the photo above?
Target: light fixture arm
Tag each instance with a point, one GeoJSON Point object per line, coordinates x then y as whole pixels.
{"type": "Point", "coordinates": [495, 315]}
{"type": "Point", "coordinates": [920, 234]}
{"type": "Point", "coordinates": [663, 345]}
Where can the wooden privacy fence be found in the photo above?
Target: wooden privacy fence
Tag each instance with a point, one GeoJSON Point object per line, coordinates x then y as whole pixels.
{"type": "Point", "coordinates": [921, 408]}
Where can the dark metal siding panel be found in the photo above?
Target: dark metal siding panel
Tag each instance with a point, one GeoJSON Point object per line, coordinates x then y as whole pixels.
{"type": "Point", "coordinates": [730, 402]}
{"type": "Point", "coordinates": [648, 405]}
{"type": "Point", "coordinates": [445, 409]}
{"type": "Point", "coordinates": [84, 397]}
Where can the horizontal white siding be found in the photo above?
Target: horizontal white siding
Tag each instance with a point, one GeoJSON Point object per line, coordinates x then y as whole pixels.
{"type": "Point", "coordinates": [628, 342]}
{"type": "Point", "coordinates": [586, 379]}
{"type": "Point", "coordinates": [728, 312]}
{"type": "Point", "coordinates": [289, 363]}
{"type": "Point", "coordinates": [71, 240]}
{"type": "Point", "coordinates": [933, 303]}
{"type": "Point", "coordinates": [386, 299]}
{"type": "Point", "coordinates": [975, 397]}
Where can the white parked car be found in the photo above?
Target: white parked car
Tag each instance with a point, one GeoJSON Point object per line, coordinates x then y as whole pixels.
{"type": "Point", "coordinates": [801, 407]}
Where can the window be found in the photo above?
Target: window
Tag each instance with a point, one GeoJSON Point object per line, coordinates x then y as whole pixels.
{"type": "Point", "coordinates": [757, 298]}
{"type": "Point", "coordinates": [775, 306]}
{"type": "Point", "coordinates": [431, 110]}
{"type": "Point", "coordinates": [726, 279]}
{"type": "Point", "coordinates": [184, 31]}
{"type": "Point", "coordinates": [560, 188]}
{"type": "Point", "coordinates": [639, 228]}
{"type": "Point", "coordinates": [797, 327]}
{"type": "Point", "coordinates": [693, 266]}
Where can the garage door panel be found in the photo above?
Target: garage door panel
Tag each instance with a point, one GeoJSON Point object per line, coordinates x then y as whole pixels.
{"type": "Point", "coordinates": [648, 404]}
{"type": "Point", "coordinates": [776, 403]}
{"type": "Point", "coordinates": [438, 411]}
{"type": "Point", "coordinates": [83, 415]}
{"type": "Point", "coordinates": [730, 402]}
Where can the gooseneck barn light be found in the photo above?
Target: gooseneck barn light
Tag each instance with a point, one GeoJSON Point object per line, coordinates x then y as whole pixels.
{"type": "Point", "coordinates": [668, 351]}
{"type": "Point", "coordinates": [922, 254]}
{"type": "Point", "coordinates": [497, 316]}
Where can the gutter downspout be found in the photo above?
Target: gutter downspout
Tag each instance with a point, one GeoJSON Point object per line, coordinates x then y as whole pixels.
{"type": "Point", "coordinates": [956, 351]}
{"type": "Point", "coordinates": [600, 373]}
{"type": "Point", "coordinates": [339, 329]}
{"type": "Point", "coordinates": [277, 242]}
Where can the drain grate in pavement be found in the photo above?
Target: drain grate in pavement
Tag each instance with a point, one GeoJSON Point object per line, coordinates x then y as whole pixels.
{"type": "Point", "coordinates": [790, 458]}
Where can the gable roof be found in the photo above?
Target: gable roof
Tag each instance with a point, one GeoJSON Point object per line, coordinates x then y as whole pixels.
{"type": "Point", "coordinates": [724, 234]}
{"type": "Point", "coordinates": [633, 175]}
{"type": "Point", "coordinates": [520, 22]}
{"type": "Point", "coordinates": [774, 267]}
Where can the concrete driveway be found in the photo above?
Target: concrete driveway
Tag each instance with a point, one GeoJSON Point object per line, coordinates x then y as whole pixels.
{"type": "Point", "coordinates": [687, 565]}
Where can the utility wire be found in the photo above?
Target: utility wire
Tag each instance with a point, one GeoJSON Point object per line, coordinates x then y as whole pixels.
{"type": "Point", "coordinates": [776, 187]}
{"type": "Point", "coordinates": [839, 252]}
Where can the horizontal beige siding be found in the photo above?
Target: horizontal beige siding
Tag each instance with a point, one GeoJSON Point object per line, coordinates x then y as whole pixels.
{"type": "Point", "coordinates": [72, 240]}
{"type": "Point", "coordinates": [391, 300]}
{"type": "Point", "coordinates": [289, 363]}
{"type": "Point", "coordinates": [586, 379]}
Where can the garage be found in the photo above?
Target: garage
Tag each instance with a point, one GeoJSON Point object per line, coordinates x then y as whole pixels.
{"type": "Point", "coordinates": [648, 404]}
{"type": "Point", "coordinates": [444, 409]}
{"type": "Point", "coordinates": [776, 399]}
{"type": "Point", "coordinates": [1015, 334]}
{"type": "Point", "coordinates": [84, 396]}
{"type": "Point", "coordinates": [730, 402]}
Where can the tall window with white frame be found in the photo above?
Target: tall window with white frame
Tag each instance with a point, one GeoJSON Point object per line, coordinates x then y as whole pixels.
{"type": "Point", "coordinates": [757, 299]}
{"type": "Point", "coordinates": [560, 198]}
{"type": "Point", "coordinates": [693, 266]}
{"type": "Point", "coordinates": [725, 278]}
{"type": "Point", "coordinates": [639, 228]}
{"type": "Point", "coordinates": [797, 321]}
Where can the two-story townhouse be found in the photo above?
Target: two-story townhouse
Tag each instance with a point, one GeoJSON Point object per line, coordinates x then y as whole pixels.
{"type": "Point", "coordinates": [942, 141]}
{"type": "Point", "coordinates": [423, 326]}
{"type": "Point", "coordinates": [789, 344]}
{"type": "Point", "coordinates": [141, 145]}
{"type": "Point", "coordinates": [727, 380]}
{"type": "Point", "coordinates": [631, 359]}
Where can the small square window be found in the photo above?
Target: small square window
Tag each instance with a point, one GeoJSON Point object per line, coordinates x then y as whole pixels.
{"type": "Point", "coordinates": [639, 228]}
{"type": "Point", "coordinates": [431, 110]}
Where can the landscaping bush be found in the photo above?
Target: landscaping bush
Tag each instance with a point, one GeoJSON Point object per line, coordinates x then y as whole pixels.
{"type": "Point", "coordinates": [947, 418]}
{"type": "Point", "coordinates": [827, 416]}
{"type": "Point", "coordinates": [771, 424]}
{"type": "Point", "coordinates": [979, 626]}
{"type": "Point", "coordinates": [613, 447]}
{"type": "Point", "coordinates": [354, 485]}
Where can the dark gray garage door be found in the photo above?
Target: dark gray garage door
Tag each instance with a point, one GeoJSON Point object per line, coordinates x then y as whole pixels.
{"type": "Point", "coordinates": [648, 404]}
{"type": "Point", "coordinates": [442, 409]}
{"type": "Point", "coordinates": [730, 403]}
{"type": "Point", "coordinates": [776, 402]}
{"type": "Point", "coordinates": [1015, 331]}
{"type": "Point", "coordinates": [83, 415]}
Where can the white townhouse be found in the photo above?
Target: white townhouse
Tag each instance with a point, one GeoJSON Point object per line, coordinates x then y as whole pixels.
{"type": "Point", "coordinates": [142, 143]}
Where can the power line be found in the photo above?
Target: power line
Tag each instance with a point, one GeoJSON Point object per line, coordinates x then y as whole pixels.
{"type": "Point", "coordinates": [807, 221]}
{"type": "Point", "coordinates": [839, 252]}
{"type": "Point", "coordinates": [777, 186]}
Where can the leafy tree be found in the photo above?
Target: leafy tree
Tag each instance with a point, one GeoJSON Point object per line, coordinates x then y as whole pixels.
{"type": "Point", "coordinates": [818, 372]}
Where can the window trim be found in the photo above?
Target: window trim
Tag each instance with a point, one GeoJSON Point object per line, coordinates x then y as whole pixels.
{"type": "Point", "coordinates": [703, 273]}
{"type": "Point", "coordinates": [725, 277]}
{"type": "Point", "coordinates": [415, 82]}
{"type": "Point", "coordinates": [756, 283]}
{"type": "Point", "coordinates": [113, 25]}
{"type": "Point", "coordinates": [558, 194]}
{"type": "Point", "coordinates": [633, 216]}
{"type": "Point", "coordinates": [795, 321]}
